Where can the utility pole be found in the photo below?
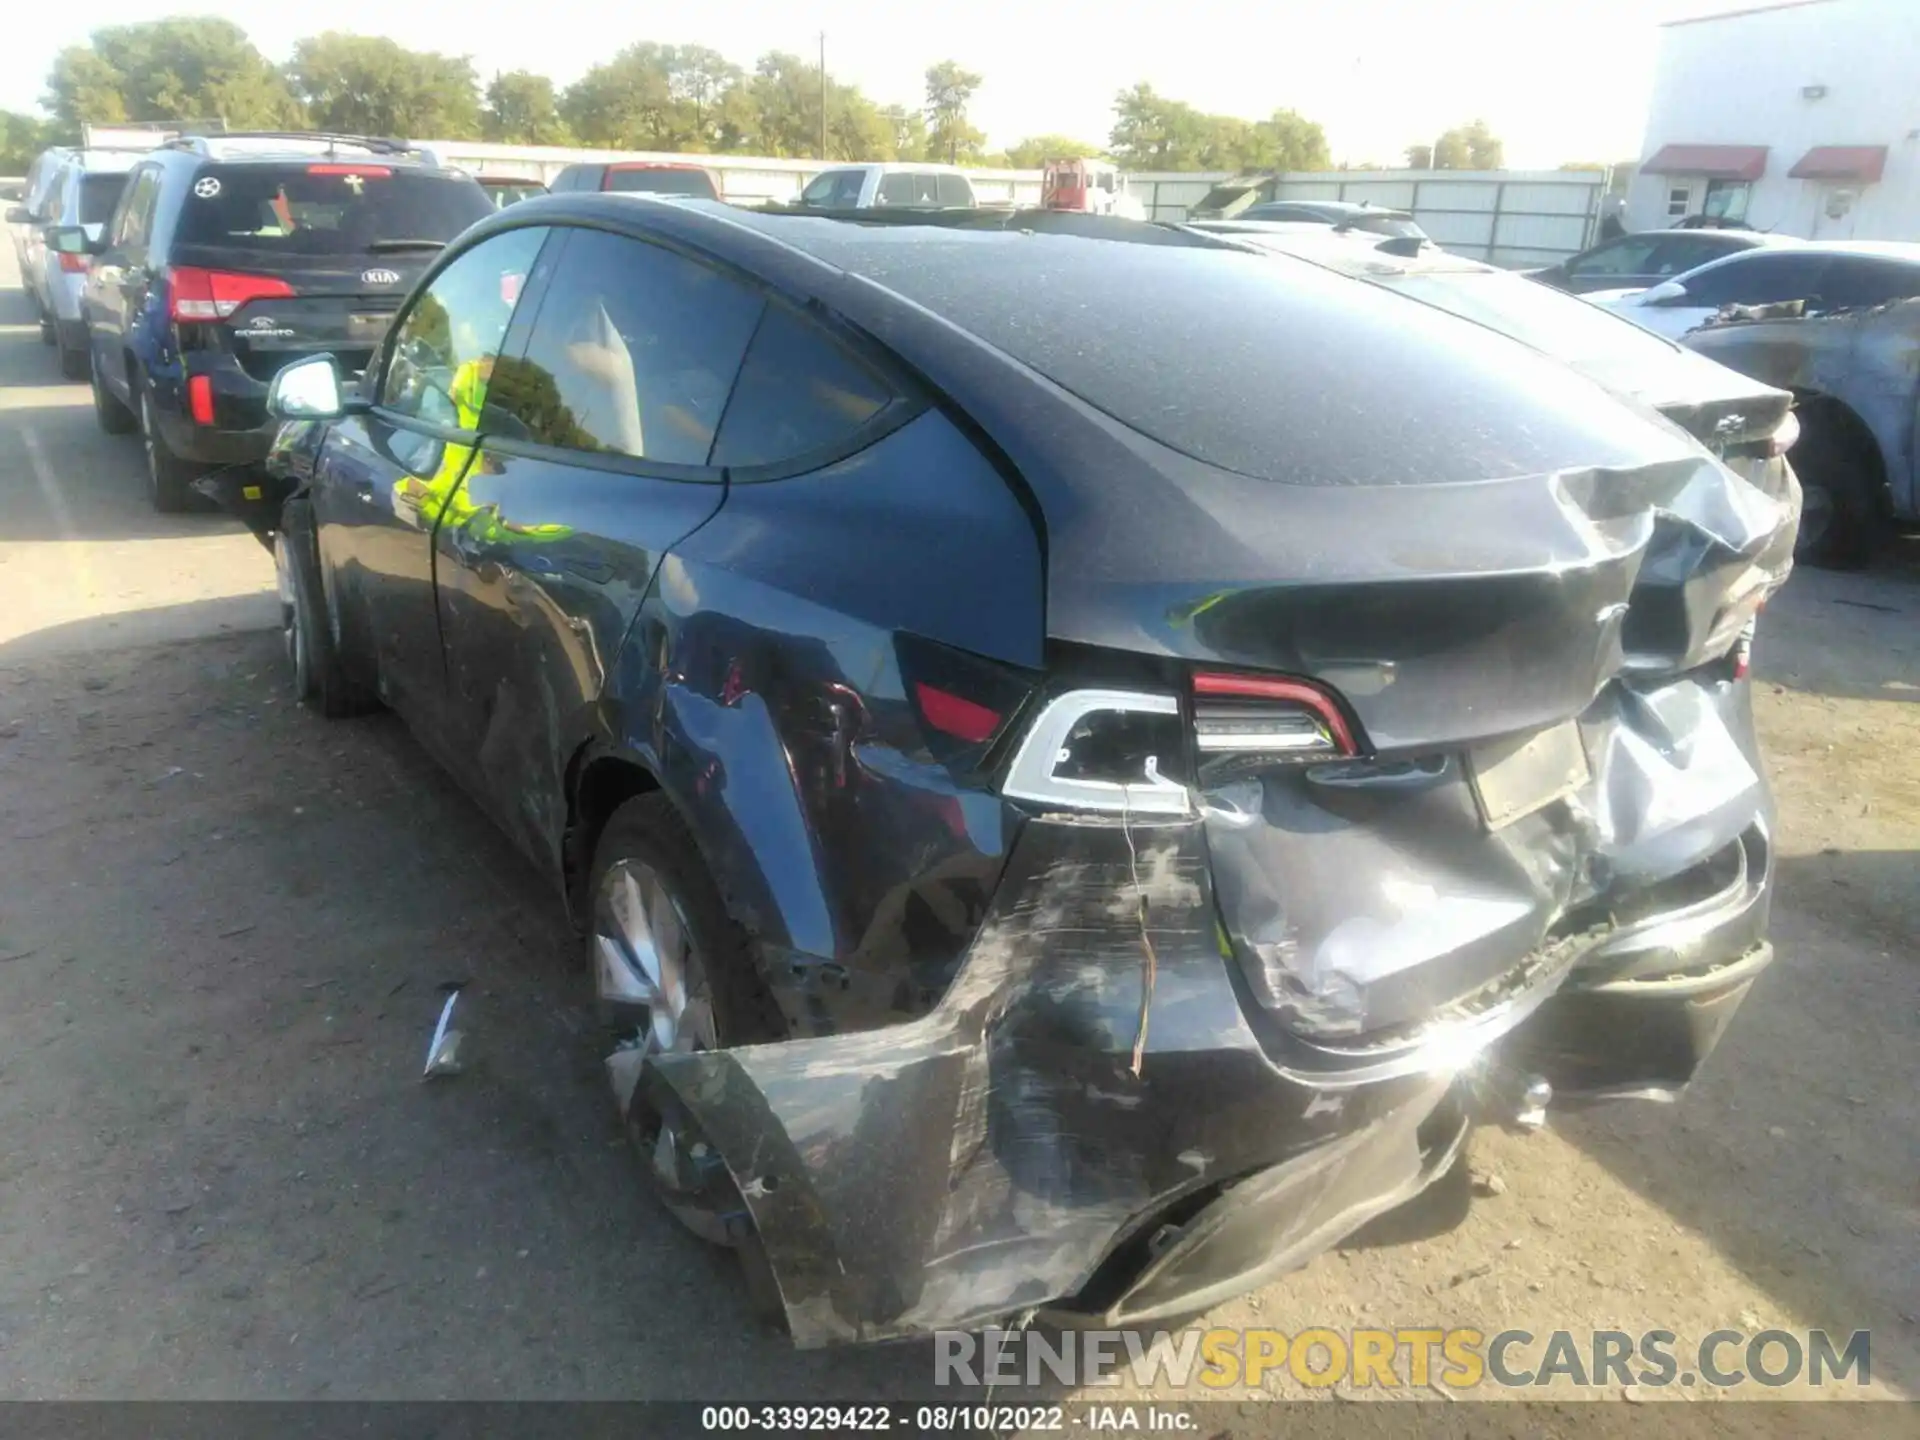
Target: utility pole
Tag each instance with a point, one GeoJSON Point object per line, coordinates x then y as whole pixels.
{"type": "Point", "coordinates": [823, 95]}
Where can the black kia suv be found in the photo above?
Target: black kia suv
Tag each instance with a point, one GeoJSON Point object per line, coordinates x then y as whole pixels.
{"type": "Point", "coordinates": [230, 255]}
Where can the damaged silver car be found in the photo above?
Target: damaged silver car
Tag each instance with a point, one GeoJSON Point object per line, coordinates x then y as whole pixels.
{"type": "Point", "coordinates": [1837, 323]}
{"type": "Point", "coordinates": [1084, 762]}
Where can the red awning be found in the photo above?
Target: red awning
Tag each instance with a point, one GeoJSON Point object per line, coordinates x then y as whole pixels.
{"type": "Point", "coordinates": [1862, 164]}
{"type": "Point", "coordinates": [1716, 162]}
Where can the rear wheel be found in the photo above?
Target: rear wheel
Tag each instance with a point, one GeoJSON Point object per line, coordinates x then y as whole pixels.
{"type": "Point", "coordinates": [113, 417]}
{"type": "Point", "coordinates": [319, 679]}
{"type": "Point", "coordinates": [48, 335]}
{"type": "Point", "coordinates": [169, 478]}
{"type": "Point", "coordinates": [73, 363]}
{"type": "Point", "coordinates": [1839, 470]}
{"type": "Point", "coordinates": [663, 950]}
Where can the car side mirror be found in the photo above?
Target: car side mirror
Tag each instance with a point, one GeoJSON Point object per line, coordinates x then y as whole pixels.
{"type": "Point", "coordinates": [1667, 292]}
{"type": "Point", "coordinates": [19, 215]}
{"type": "Point", "coordinates": [311, 389]}
{"type": "Point", "coordinates": [72, 240]}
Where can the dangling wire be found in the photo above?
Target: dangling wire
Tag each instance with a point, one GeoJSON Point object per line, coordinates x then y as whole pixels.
{"type": "Point", "coordinates": [1152, 970]}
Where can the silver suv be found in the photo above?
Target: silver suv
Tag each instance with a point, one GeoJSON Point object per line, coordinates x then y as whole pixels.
{"type": "Point", "coordinates": [83, 191]}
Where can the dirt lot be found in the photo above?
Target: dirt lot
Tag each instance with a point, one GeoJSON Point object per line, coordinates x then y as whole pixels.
{"type": "Point", "coordinates": [223, 922]}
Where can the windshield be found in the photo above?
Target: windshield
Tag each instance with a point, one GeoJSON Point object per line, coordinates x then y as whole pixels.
{"type": "Point", "coordinates": [326, 209]}
{"type": "Point", "coordinates": [1552, 321]}
{"type": "Point", "coordinates": [98, 195]}
{"type": "Point", "coordinates": [662, 181]}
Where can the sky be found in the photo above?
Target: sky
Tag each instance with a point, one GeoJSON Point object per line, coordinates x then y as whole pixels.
{"type": "Point", "coordinates": [1558, 80]}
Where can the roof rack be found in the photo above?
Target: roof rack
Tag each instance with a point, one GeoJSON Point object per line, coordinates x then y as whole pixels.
{"type": "Point", "coordinates": [378, 145]}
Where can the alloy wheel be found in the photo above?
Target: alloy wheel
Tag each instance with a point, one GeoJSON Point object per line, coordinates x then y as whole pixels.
{"type": "Point", "coordinates": [646, 957]}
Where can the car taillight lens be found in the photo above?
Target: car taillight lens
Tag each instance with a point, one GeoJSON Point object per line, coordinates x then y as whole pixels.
{"type": "Point", "coordinates": [74, 264]}
{"type": "Point", "coordinates": [1118, 752]}
{"type": "Point", "coordinates": [1268, 716]}
{"type": "Point", "coordinates": [215, 294]}
{"type": "Point", "coordinates": [380, 171]}
{"type": "Point", "coordinates": [1782, 440]}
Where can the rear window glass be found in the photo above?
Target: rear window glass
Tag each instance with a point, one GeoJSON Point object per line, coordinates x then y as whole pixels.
{"type": "Point", "coordinates": [1549, 320]}
{"type": "Point", "coordinates": [330, 208]}
{"type": "Point", "coordinates": [662, 182]}
{"type": "Point", "coordinates": [1259, 364]}
{"type": "Point", "coordinates": [98, 195]}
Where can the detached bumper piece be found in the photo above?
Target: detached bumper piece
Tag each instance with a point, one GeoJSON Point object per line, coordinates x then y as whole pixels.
{"type": "Point", "coordinates": [999, 1155]}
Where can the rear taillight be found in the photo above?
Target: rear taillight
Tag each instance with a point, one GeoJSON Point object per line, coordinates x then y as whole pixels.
{"type": "Point", "coordinates": [200, 398]}
{"type": "Point", "coordinates": [215, 294]}
{"type": "Point", "coordinates": [1277, 718]}
{"type": "Point", "coordinates": [1782, 440]}
{"type": "Point", "coordinates": [1119, 752]}
{"type": "Point", "coordinates": [74, 264]}
{"type": "Point", "coordinates": [376, 170]}
{"type": "Point", "coordinates": [963, 702]}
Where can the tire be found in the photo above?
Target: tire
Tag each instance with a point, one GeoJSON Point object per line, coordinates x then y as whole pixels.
{"type": "Point", "coordinates": [74, 364]}
{"type": "Point", "coordinates": [113, 417]}
{"type": "Point", "coordinates": [1839, 511]}
{"type": "Point", "coordinates": [725, 1003]}
{"type": "Point", "coordinates": [320, 681]}
{"type": "Point", "coordinates": [48, 335]}
{"type": "Point", "coordinates": [169, 478]}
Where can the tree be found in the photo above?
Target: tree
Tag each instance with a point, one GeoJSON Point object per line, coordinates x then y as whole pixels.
{"type": "Point", "coordinates": [186, 68]}
{"type": "Point", "coordinates": [785, 98]}
{"type": "Point", "coordinates": [1151, 132]}
{"type": "Point", "coordinates": [1465, 147]}
{"type": "Point", "coordinates": [522, 109]}
{"type": "Point", "coordinates": [627, 102]}
{"type": "Point", "coordinates": [949, 136]}
{"type": "Point", "coordinates": [1287, 140]}
{"type": "Point", "coordinates": [368, 85]}
{"type": "Point", "coordinates": [22, 137]}
{"type": "Point", "coordinates": [1036, 150]}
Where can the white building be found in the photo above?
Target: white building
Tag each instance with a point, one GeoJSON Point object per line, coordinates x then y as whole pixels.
{"type": "Point", "coordinates": [1801, 118]}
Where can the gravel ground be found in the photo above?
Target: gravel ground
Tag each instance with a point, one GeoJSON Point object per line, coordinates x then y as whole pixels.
{"type": "Point", "coordinates": [224, 922]}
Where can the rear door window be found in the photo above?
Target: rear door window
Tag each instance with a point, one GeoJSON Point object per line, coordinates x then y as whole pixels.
{"type": "Point", "coordinates": [1860, 281]}
{"type": "Point", "coordinates": [133, 221]}
{"type": "Point", "coordinates": [445, 348]}
{"type": "Point", "coordinates": [800, 391]}
{"type": "Point", "coordinates": [98, 195]}
{"type": "Point", "coordinates": [955, 191]}
{"type": "Point", "coordinates": [332, 208]}
{"type": "Point", "coordinates": [633, 352]}
{"type": "Point", "coordinates": [1763, 278]}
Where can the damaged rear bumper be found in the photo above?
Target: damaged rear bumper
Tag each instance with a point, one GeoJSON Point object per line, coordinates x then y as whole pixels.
{"type": "Point", "coordinates": [999, 1155]}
